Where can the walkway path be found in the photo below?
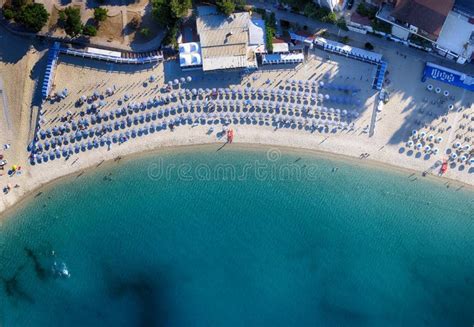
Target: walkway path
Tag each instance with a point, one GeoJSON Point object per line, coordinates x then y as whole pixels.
{"type": "Point", "coordinates": [4, 105]}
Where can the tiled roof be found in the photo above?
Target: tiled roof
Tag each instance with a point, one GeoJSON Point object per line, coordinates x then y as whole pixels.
{"type": "Point", "coordinates": [428, 15]}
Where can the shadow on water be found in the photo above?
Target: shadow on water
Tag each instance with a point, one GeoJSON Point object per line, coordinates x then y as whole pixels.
{"type": "Point", "coordinates": [13, 289]}
{"type": "Point", "coordinates": [147, 290]}
{"type": "Point", "coordinates": [338, 315]}
{"type": "Point", "coordinates": [41, 273]}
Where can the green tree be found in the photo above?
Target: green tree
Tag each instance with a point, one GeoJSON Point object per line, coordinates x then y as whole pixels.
{"type": "Point", "coordinates": [8, 13]}
{"type": "Point", "coordinates": [227, 7]}
{"type": "Point", "coordinates": [100, 14]}
{"type": "Point", "coordinates": [167, 12]}
{"type": "Point", "coordinates": [330, 18]}
{"type": "Point", "coordinates": [33, 16]}
{"type": "Point", "coordinates": [161, 11]}
{"type": "Point", "coordinates": [180, 8]}
{"type": "Point", "coordinates": [20, 3]}
{"type": "Point", "coordinates": [90, 30]}
{"type": "Point", "coordinates": [73, 25]}
{"type": "Point", "coordinates": [270, 24]}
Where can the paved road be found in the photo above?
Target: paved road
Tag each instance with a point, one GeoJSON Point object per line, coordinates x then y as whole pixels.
{"type": "Point", "coordinates": [358, 40]}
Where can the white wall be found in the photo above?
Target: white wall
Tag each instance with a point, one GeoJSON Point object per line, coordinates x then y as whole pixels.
{"type": "Point", "coordinates": [331, 4]}
{"type": "Point", "coordinates": [399, 32]}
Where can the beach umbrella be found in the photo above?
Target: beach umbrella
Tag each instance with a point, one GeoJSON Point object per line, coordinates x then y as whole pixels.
{"type": "Point", "coordinates": [429, 87]}
{"type": "Point", "coordinates": [435, 150]}
{"type": "Point", "coordinates": [439, 139]}
{"type": "Point", "coordinates": [422, 134]}
{"type": "Point", "coordinates": [467, 147]}
{"type": "Point", "coordinates": [414, 132]}
{"type": "Point", "coordinates": [438, 90]}
{"type": "Point", "coordinates": [189, 79]}
{"type": "Point", "coordinates": [431, 137]}
{"type": "Point", "coordinates": [410, 144]}
{"type": "Point", "coordinates": [419, 146]}
{"type": "Point", "coordinates": [471, 161]}
{"type": "Point", "coordinates": [446, 93]}
{"type": "Point", "coordinates": [427, 148]}
{"type": "Point", "coordinates": [454, 156]}
{"type": "Point", "coordinates": [463, 158]}
{"type": "Point", "coordinates": [457, 145]}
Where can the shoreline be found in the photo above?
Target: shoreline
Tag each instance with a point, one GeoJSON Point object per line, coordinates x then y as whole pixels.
{"type": "Point", "coordinates": [28, 195]}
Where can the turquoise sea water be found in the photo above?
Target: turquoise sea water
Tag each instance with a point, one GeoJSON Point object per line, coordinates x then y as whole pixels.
{"type": "Point", "coordinates": [199, 237]}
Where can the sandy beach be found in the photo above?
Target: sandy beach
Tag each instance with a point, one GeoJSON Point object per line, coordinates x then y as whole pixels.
{"type": "Point", "coordinates": [382, 135]}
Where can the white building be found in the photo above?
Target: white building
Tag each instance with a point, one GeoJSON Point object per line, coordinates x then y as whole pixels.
{"type": "Point", "coordinates": [333, 5]}
{"type": "Point", "coordinates": [224, 40]}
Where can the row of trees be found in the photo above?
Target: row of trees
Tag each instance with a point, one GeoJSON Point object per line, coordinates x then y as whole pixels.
{"type": "Point", "coordinates": [70, 20]}
{"type": "Point", "coordinates": [168, 13]}
{"type": "Point", "coordinates": [33, 16]}
{"type": "Point", "coordinates": [227, 7]}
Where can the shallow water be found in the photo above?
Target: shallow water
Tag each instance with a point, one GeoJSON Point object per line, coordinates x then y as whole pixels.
{"type": "Point", "coordinates": [240, 237]}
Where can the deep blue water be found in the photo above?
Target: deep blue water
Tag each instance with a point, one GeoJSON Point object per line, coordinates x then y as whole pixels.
{"type": "Point", "coordinates": [284, 241]}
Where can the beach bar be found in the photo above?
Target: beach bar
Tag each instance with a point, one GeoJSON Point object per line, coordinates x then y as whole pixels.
{"type": "Point", "coordinates": [448, 76]}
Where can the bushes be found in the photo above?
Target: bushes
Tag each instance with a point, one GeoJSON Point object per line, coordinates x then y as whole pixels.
{"type": "Point", "coordinates": [145, 32]}
{"type": "Point", "coordinates": [100, 14]}
{"type": "Point", "coordinates": [345, 40]}
{"type": "Point", "coordinates": [33, 16]}
{"type": "Point", "coordinates": [364, 10]}
{"type": "Point", "coordinates": [8, 13]}
{"type": "Point", "coordinates": [90, 30]}
{"type": "Point", "coordinates": [171, 36]}
{"type": "Point", "coordinates": [381, 26]}
{"type": "Point", "coordinates": [369, 46]}
{"type": "Point", "coordinates": [341, 23]}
